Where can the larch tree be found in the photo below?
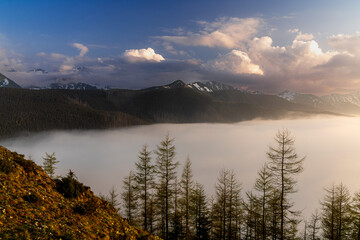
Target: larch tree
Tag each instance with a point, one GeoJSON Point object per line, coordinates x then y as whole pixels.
{"type": "Point", "coordinates": [252, 216]}
{"type": "Point", "coordinates": [186, 188]}
{"type": "Point", "coordinates": [234, 189]}
{"type": "Point", "coordinates": [129, 197]}
{"type": "Point", "coordinates": [344, 202]}
{"type": "Point", "coordinates": [227, 197]}
{"type": "Point", "coordinates": [200, 213]}
{"type": "Point", "coordinates": [284, 165]}
{"type": "Point", "coordinates": [144, 177]}
{"type": "Point", "coordinates": [264, 185]}
{"type": "Point", "coordinates": [166, 172]}
{"type": "Point", "coordinates": [356, 216]}
{"type": "Point", "coordinates": [113, 198]}
{"type": "Point", "coordinates": [220, 205]}
{"type": "Point", "coordinates": [314, 226]}
{"type": "Point", "coordinates": [329, 213]}
{"type": "Point", "coordinates": [49, 164]}
{"type": "Point", "coordinates": [337, 213]}
{"type": "Point", "coordinates": [176, 232]}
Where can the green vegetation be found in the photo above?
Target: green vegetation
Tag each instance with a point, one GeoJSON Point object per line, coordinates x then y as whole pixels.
{"type": "Point", "coordinates": [69, 186]}
{"type": "Point", "coordinates": [49, 164]}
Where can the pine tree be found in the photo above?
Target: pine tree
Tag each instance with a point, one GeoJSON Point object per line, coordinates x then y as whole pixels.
{"type": "Point", "coordinates": [49, 164]}
{"type": "Point", "coordinates": [144, 177]}
{"type": "Point", "coordinates": [129, 197]}
{"type": "Point", "coordinates": [186, 185]}
{"type": "Point", "coordinates": [284, 165]}
{"type": "Point", "coordinates": [166, 172]}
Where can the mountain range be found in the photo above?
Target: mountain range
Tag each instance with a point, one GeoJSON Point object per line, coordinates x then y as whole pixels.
{"type": "Point", "coordinates": [80, 106]}
{"type": "Point", "coordinates": [338, 103]}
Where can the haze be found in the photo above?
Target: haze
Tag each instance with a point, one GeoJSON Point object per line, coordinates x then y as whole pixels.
{"type": "Point", "coordinates": [101, 159]}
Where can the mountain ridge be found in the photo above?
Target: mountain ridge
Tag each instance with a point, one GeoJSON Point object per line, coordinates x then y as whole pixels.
{"type": "Point", "coordinates": [340, 103]}
{"type": "Point", "coordinates": [23, 111]}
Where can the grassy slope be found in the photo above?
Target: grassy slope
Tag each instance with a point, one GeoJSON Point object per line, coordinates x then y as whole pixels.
{"type": "Point", "coordinates": [31, 208]}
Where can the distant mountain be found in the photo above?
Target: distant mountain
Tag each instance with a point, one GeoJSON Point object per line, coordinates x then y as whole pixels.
{"type": "Point", "coordinates": [209, 86]}
{"type": "Point", "coordinates": [26, 110]}
{"type": "Point", "coordinates": [339, 103]}
{"type": "Point", "coordinates": [7, 83]}
{"type": "Point", "coordinates": [200, 87]}
{"type": "Point", "coordinates": [72, 86]}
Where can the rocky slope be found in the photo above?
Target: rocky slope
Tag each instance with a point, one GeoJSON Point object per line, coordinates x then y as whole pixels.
{"type": "Point", "coordinates": [34, 206]}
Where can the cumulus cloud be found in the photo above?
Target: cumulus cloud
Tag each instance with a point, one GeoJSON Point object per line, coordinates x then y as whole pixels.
{"type": "Point", "coordinates": [224, 32]}
{"type": "Point", "coordinates": [135, 55]}
{"type": "Point", "coordinates": [246, 59]}
{"type": "Point", "coordinates": [296, 66]}
{"type": "Point", "coordinates": [236, 62]}
{"type": "Point", "coordinates": [83, 49]}
{"type": "Point", "coordinates": [348, 43]}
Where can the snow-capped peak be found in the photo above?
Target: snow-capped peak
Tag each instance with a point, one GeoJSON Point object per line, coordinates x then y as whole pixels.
{"type": "Point", "coordinates": [5, 82]}
{"type": "Point", "coordinates": [288, 95]}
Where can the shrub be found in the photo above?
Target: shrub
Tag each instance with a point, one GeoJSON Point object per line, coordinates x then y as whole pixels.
{"type": "Point", "coordinates": [31, 197]}
{"type": "Point", "coordinates": [69, 186]}
{"type": "Point", "coordinates": [6, 164]}
{"type": "Point", "coordinates": [28, 165]}
{"type": "Point", "coordinates": [83, 208]}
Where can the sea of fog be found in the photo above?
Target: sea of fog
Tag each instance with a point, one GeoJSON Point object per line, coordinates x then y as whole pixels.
{"type": "Point", "coordinates": [101, 159]}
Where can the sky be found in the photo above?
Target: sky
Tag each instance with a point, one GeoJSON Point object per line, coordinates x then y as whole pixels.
{"type": "Point", "coordinates": [269, 46]}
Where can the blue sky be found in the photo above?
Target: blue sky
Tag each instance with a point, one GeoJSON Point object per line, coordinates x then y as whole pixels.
{"type": "Point", "coordinates": [305, 46]}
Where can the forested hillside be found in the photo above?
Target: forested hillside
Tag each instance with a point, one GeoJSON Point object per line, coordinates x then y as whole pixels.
{"type": "Point", "coordinates": [24, 110]}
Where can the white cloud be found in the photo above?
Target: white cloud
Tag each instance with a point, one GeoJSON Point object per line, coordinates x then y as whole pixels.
{"type": "Point", "coordinates": [224, 32]}
{"type": "Point", "coordinates": [236, 62]}
{"type": "Point", "coordinates": [83, 49]}
{"type": "Point", "coordinates": [135, 55]}
{"type": "Point", "coordinates": [304, 37]}
{"type": "Point", "coordinates": [57, 56]}
{"type": "Point", "coordinates": [348, 43]}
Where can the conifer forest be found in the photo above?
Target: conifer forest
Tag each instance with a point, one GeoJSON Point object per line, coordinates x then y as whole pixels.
{"type": "Point", "coordinates": [160, 195]}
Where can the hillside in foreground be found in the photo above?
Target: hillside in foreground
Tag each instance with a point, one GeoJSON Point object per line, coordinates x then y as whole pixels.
{"type": "Point", "coordinates": [34, 206]}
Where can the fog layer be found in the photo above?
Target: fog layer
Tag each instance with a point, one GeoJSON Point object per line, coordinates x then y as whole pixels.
{"type": "Point", "coordinates": [101, 159]}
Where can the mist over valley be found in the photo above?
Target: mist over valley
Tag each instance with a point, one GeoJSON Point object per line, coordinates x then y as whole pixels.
{"type": "Point", "coordinates": [102, 158]}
